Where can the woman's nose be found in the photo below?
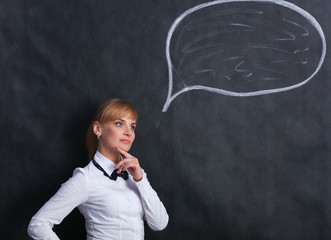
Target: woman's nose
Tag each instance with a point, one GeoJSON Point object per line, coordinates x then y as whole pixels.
{"type": "Point", "coordinates": [128, 131]}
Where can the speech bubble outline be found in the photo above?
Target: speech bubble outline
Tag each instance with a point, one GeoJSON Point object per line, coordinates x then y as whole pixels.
{"type": "Point", "coordinates": [302, 12]}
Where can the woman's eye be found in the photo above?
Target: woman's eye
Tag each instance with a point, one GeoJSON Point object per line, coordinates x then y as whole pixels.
{"type": "Point", "coordinates": [133, 127]}
{"type": "Point", "coordinates": [119, 124]}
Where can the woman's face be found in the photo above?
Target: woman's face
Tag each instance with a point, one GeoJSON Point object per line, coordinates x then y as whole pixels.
{"type": "Point", "coordinates": [119, 133]}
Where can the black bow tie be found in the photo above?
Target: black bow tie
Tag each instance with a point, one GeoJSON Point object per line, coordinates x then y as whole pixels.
{"type": "Point", "coordinates": [123, 174]}
{"type": "Point", "coordinates": [114, 175]}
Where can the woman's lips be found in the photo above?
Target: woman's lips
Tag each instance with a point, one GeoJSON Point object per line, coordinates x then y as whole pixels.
{"type": "Point", "coordinates": [125, 141]}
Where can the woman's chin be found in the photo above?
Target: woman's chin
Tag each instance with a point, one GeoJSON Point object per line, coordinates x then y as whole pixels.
{"type": "Point", "coordinates": [124, 147]}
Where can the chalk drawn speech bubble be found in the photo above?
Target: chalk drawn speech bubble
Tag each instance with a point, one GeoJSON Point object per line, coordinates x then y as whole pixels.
{"type": "Point", "coordinates": [243, 48]}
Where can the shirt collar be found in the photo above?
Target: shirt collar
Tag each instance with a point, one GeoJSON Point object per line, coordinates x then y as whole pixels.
{"type": "Point", "coordinates": [107, 164]}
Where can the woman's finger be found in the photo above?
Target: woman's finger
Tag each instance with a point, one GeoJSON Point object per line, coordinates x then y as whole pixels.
{"type": "Point", "coordinates": [124, 161]}
{"type": "Point", "coordinates": [120, 169]}
{"type": "Point", "coordinates": [129, 165]}
{"type": "Point", "coordinates": [126, 154]}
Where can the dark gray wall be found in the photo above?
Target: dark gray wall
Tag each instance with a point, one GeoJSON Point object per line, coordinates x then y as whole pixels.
{"type": "Point", "coordinates": [225, 167]}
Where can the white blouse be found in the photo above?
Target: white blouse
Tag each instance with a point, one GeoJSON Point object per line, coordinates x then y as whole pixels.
{"type": "Point", "coordinates": [112, 209]}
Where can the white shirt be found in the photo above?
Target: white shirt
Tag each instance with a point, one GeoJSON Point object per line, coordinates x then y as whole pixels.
{"type": "Point", "coordinates": [112, 209]}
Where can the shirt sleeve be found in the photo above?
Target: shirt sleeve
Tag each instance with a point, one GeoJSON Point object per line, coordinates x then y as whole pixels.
{"type": "Point", "coordinates": [155, 213]}
{"type": "Point", "coordinates": [71, 194]}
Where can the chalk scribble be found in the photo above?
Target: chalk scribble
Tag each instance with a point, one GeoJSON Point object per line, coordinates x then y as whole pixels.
{"type": "Point", "coordinates": [243, 48]}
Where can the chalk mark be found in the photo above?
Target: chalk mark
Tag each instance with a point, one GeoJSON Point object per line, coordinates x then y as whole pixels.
{"type": "Point", "coordinates": [305, 14]}
{"type": "Point", "coordinates": [186, 49]}
{"type": "Point", "coordinates": [301, 50]}
{"type": "Point", "coordinates": [206, 71]}
{"type": "Point", "coordinates": [192, 26]}
{"type": "Point", "coordinates": [291, 37]}
{"type": "Point", "coordinates": [280, 61]}
{"type": "Point", "coordinates": [302, 62]}
{"type": "Point", "coordinates": [306, 31]}
{"type": "Point", "coordinates": [271, 70]}
{"type": "Point", "coordinates": [270, 79]}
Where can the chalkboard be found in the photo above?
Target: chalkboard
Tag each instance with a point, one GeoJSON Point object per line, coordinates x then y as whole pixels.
{"type": "Point", "coordinates": [233, 100]}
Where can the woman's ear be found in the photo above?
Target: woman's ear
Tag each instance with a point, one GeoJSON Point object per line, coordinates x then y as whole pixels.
{"type": "Point", "coordinates": [97, 128]}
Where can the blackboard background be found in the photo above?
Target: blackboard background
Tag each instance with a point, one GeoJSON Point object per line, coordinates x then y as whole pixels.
{"type": "Point", "coordinates": [225, 167]}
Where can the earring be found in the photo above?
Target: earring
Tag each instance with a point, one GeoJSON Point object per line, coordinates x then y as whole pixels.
{"type": "Point", "coordinates": [98, 136]}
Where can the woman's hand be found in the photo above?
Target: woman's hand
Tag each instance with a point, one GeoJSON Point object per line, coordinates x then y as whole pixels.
{"type": "Point", "coordinates": [131, 164]}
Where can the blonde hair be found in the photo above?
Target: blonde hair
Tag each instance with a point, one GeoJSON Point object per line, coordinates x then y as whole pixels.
{"type": "Point", "coordinates": [109, 110]}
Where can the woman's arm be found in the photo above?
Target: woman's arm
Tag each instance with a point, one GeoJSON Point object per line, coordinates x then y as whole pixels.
{"type": "Point", "coordinates": [71, 194]}
{"type": "Point", "coordinates": [155, 213]}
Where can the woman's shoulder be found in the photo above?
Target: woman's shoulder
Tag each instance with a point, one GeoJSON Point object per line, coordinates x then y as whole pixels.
{"type": "Point", "coordinates": [80, 177]}
{"type": "Point", "coordinates": [83, 170]}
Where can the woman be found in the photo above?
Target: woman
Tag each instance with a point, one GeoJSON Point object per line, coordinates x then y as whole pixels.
{"type": "Point", "coordinates": [112, 191]}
